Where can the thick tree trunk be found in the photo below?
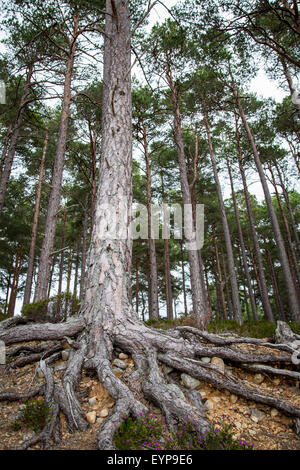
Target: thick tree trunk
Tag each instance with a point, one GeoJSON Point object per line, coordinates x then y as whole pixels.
{"type": "Point", "coordinates": [84, 248]}
{"type": "Point", "coordinates": [242, 246]}
{"type": "Point", "coordinates": [28, 285]}
{"type": "Point", "coordinates": [5, 176]}
{"type": "Point", "coordinates": [197, 287]}
{"type": "Point", "coordinates": [292, 294]}
{"type": "Point", "coordinates": [54, 199]}
{"type": "Point", "coordinates": [237, 312]}
{"type": "Point", "coordinates": [169, 296]}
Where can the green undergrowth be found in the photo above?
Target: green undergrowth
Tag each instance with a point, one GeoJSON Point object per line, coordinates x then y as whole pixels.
{"type": "Point", "coordinates": [63, 305]}
{"type": "Point", "coordinates": [253, 329]}
{"type": "Point", "coordinates": [36, 412]}
{"type": "Point", "coordinates": [149, 432]}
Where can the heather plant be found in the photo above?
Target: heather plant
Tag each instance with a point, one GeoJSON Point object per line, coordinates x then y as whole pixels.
{"type": "Point", "coordinates": [150, 433]}
{"type": "Point", "coordinates": [36, 413]}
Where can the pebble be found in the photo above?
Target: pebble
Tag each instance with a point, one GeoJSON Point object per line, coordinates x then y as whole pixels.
{"type": "Point", "coordinates": [208, 405]}
{"type": "Point", "coordinates": [120, 364]}
{"type": "Point", "coordinates": [93, 401]}
{"type": "Point", "coordinates": [91, 417]}
{"type": "Point", "coordinates": [189, 381]}
{"type": "Point", "coordinates": [103, 413]}
{"type": "Point", "coordinates": [257, 414]}
{"type": "Point", "coordinates": [206, 360]}
{"type": "Point", "coordinates": [116, 370]}
{"type": "Point", "coordinates": [65, 355]}
{"type": "Point", "coordinates": [274, 412]}
{"type": "Point", "coordinates": [166, 369]}
{"type": "Point", "coordinates": [123, 356]}
{"type": "Point", "coordinates": [233, 399]}
{"type": "Point", "coordinates": [219, 363]}
{"type": "Point", "coordinates": [258, 378]}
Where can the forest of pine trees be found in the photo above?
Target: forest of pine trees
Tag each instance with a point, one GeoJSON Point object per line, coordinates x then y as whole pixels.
{"type": "Point", "coordinates": [107, 105]}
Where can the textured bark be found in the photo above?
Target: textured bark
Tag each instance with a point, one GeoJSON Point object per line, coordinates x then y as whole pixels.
{"type": "Point", "coordinates": [292, 294]}
{"type": "Point", "coordinates": [62, 255]}
{"type": "Point", "coordinates": [198, 289]}
{"type": "Point", "coordinates": [54, 199]}
{"type": "Point", "coordinates": [5, 175]}
{"type": "Point", "coordinates": [219, 281]}
{"type": "Point", "coordinates": [28, 285]}
{"type": "Point", "coordinates": [292, 88]}
{"type": "Point", "coordinates": [84, 249]}
{"type": "Point", "coordinates": [261, 275]}
{"type": "Point", "coordinates": [153, 288]}
{"type": "Point", "coordinates": [230, 258]}
{"type": "Point", "coordinates": [169, 296]}
{"type": "Point", "coordinates": [15, 282]}
{"type": "Point", "coordinates": [242, 246]}
{"type": "Point", "coordinates": [5, 147]}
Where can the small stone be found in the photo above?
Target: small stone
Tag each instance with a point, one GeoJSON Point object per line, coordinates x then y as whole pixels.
{"type": "Point", "coordinates": [103, 413]}
{"type": "Point", "coordinates": [276, 381]}
{"type": "Point", "coordinates": [111, 405]}
{"type": "Point", "coordinates": [177, 390]}
{"type": "Point", "coordinates": [100, 420]}
{"type": "Point", "coordinates": [202, 393]}
{"type": "Point", "coordinates": [91, 417]}
{"type": "Point", "coordinates": [65, 354]}
{"type": "Point", "coordinates": [252, 432]}
{"type": "Point", "coordinates": [274, 412]}
{"type": "Point", "coordinates": [189, 381]}
{"type": "Point", "coordinates": [233, 399]}
{"type": "Point", "coordinates": [258, 378]}
{"type": "Point", "coordinates": [238, 425]}
{"type": "Point", "coordinates": [117, 371]}
{"type": "Point", "coordinates": [219, 363]}
{"type": "Point", "coordinates": [120, 364]}
{"type": "Point", "coordinates": [254, 419]}
{"type": "Point", "coordinates": [166, 369]}
{"type": "Point", "coordinates": [206, 360]}
{"type": "Point", "coordinates": [295, 390]}
{"type": "Point", "coordinates": [123, 356]}
{"type": "Point", "coordinates": [216, 399]}
{"type": "Point", "coordinates": [255, 413]}
{"type": "Point", "coordinates": [208, 405]}
{"type": "Point", "coordinates": [93, 401]}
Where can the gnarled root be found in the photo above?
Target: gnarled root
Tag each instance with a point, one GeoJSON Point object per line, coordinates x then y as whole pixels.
{"type": "Point", "coordinates": [180, 349]}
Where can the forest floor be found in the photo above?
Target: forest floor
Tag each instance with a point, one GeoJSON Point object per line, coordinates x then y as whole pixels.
{"type": "Point", "coordinates": [261, 425]}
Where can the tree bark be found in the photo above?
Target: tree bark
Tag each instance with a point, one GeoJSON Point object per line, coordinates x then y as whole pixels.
{"type": "Point", "coordinates": [262, 284]}
{"type": "Point", "coordinates": [54, 199]}
{"type": "Point", "coordinates": [5, 176]}
{"type": "Point", "coordinates": [237, 312]}
{"type": "Point", "coordinates": [292, 294]}
{"type": "Point", "coordinates": [197, 287]}
{"type": "Point", "coordinates": [28, 285]}
{"type": "Point", "coordinates": [242, 246]}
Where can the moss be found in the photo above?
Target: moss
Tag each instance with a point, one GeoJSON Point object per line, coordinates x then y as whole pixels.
{"type": "Point", "coordinates": [63, 305]}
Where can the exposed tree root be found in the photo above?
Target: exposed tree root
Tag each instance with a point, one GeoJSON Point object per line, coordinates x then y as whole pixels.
{"type": "Point", "coordinates": [180, 349]}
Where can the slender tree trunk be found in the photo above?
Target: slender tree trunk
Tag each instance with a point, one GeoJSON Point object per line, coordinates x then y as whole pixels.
{"type": "Point", "coordinates": [292, 294]}
{"type": "Point", "coordinates": [183, 279]}
{"type": "Point", "coordinates": [137, 287]}
{"type": "Point", "coordinates": [62, 255]}
{"type": "Point", "coordinates": [93, 146]}
{"type": "Point", "coordinates": [28, 285]}
{"type": "Point", "coordinates": [290, 248]}
{"type": "Point", "coordinates": [262, 284]}
{"type": "Point", "coordinates": [277, 296]}
{"type": "Point", "coordinates": [242, 246]}
{"type": "Point", "coordinates": [288, 205]}
{"type": "Point", "coordinates": [53, 263]}
{"type": "Point", "coordinates": [197, 287]}
{"type": "Point", "coordinates": [15, 283]}
{"type": "Point", "coordinates": [237, 312]}
{"type": "Point", "coordinates": [7, 291]}
{"type": "Point", "coordinates": [154, 311]}
{"type": "Point", "coordinates": [5, 176]}
{"type": "Point", "coordinates": [219, 279]}
{"type": "Point", "coordinates": [70, 265]}
{"type": "Point", "coordinates": [54, 200]}
{"type": "Point", "coordinates": [169, 296]}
